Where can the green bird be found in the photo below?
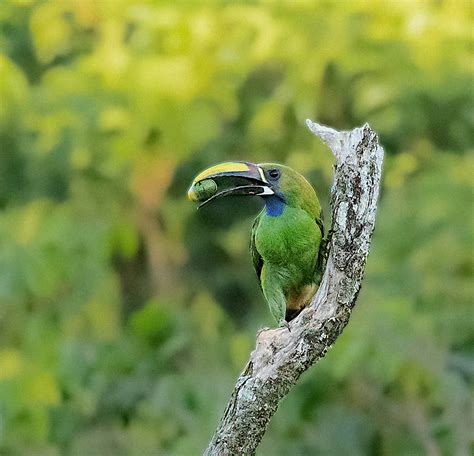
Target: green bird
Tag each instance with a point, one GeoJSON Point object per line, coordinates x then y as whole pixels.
{"type": "Point", "coordinates": [286, 235]}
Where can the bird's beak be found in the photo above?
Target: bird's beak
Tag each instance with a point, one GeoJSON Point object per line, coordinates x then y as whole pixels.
{"type": "Point", "coordinates": [230, 178]}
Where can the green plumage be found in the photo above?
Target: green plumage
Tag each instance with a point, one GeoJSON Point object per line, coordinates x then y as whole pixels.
{"type": "Point", "coordinates": [286, 235]}
{"type": "Point", "coordinates": [285, 247]}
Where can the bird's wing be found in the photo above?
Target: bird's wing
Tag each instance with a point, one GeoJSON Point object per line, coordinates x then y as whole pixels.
{"type": "Point", "coordinates": [257, 259]}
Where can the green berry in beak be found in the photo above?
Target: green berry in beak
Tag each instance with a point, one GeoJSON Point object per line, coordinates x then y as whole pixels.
{"type": "Point", "coordinates": [202, 190]}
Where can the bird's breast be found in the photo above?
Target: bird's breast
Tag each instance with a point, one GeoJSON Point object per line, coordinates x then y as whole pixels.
{"type": "Point", "coordinates": [290, 238]}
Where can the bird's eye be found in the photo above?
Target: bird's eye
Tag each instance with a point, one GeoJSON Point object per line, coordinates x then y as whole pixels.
{"type": "Point", "coordinates": [274, 173]}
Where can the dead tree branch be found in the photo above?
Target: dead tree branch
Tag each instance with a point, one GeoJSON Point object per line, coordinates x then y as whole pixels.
{"type": "Point", "coordinates": [280, 356]}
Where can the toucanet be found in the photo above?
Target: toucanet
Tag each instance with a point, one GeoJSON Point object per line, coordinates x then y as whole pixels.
{"type": "Point", "coordinates": [286, 235]}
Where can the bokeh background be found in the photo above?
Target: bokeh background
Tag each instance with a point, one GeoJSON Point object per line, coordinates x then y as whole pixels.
{"type": "Point", "coordinates": [126, 315]}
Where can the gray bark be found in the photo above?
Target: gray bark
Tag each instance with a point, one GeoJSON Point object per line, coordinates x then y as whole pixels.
{"type": "Point", "coordinates": [281, 356]}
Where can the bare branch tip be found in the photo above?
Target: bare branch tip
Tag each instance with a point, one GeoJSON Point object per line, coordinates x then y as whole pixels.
{"type": "Point", "coordinates": [329, 136]}
{"type": "Point", "coordinates": [319, 129]}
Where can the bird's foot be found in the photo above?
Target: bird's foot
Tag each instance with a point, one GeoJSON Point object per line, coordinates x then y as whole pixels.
{"type": "Point", "coordinates": [282, 323]}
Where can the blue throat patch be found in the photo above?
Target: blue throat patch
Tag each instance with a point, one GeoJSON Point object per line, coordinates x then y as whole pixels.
{"type": "Point", "coordinates": [274, 205]}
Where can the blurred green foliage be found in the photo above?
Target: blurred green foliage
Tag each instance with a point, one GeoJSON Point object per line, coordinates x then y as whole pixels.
{"type": "Point", "coordinates": [125, 315]}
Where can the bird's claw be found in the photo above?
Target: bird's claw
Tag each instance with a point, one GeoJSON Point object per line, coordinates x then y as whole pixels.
{"type": "Point", "coordinates": [282, 323]}
{"type": "Point", "coordinates": [261, 330]}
